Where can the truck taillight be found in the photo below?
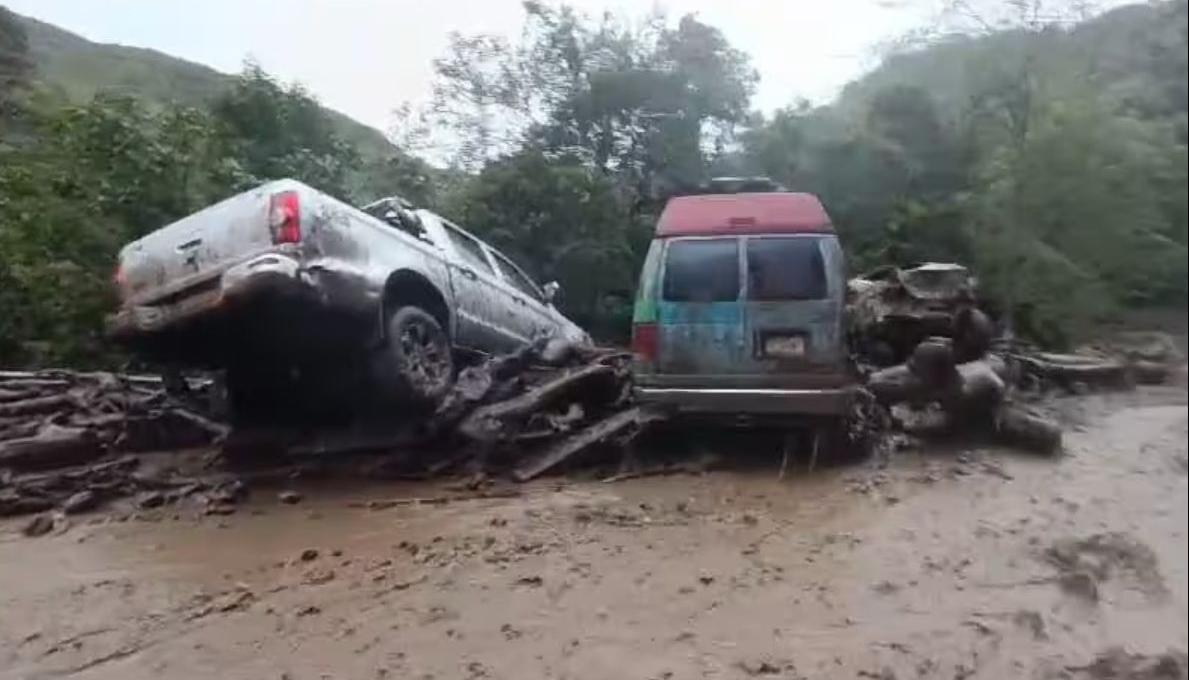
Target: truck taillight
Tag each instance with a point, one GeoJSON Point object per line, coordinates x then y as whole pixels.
{"type": "Point", "coordinates": [644, 341]}
{"type": "Point", "coordinates": [284, 217]}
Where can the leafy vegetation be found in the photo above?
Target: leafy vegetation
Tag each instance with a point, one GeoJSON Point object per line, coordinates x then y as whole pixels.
{"type": "Point", "coordinates": [1049, 154]}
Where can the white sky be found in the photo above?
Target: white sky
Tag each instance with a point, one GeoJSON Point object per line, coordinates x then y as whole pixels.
{"type": "Point", "coordinates": [366, 57]}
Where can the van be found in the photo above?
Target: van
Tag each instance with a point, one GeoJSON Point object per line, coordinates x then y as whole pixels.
{"type": "Point", "coordinates": [739, 309]}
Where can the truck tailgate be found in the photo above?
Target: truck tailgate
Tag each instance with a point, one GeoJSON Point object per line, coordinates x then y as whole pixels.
{"type": "Point", "coordinates": [196, 248]}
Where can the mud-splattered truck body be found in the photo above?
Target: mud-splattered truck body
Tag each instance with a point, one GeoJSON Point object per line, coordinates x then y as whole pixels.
{"type": "Point", "coordinates": [284, 281]}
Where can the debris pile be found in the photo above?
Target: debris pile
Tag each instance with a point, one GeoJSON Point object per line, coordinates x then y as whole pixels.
{"type": "Point", "coordinates": [66, 438]}
{"type": "Point", "coordinates": [924, 348]}
{"type": "Point", "coordinates": [531, 410]}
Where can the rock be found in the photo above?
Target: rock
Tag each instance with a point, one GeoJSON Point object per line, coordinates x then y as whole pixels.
{"type": "Point", "coordinates": [531, 581]}
{"type": "Point", "coordinates": [13, 504]}
{"type": "Point", "coordinates": [759, 667]}
{"type": "Point", "coordinates": [80, 502]}
{"type": "Point", "coordinates": [309, 555]}
{"type": "Point", "coordinates": [309, 610]}
{"type": "Point", "coordinates": [317, 577]}
{"type": "Point", "coordinates": [289, 497]}
{"type": "Point", "coordinates": [39, 526]}
{"type": "Point", "coordinates": [150, 499]}
{"type": "Point", "coordinates": [1079, 584]}
{"type": "Point", "coordinates": [222, 509]}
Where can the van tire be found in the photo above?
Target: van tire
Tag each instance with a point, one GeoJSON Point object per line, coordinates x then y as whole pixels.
{"type": "Point", "coordinates": [418, 358]}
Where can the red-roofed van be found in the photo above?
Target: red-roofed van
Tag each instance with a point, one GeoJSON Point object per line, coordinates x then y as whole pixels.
{"type": "Point", "coordinates": [739, 308]}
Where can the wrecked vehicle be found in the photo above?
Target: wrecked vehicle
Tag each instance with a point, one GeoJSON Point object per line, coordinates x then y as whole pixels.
{"type": "Point", "coordinates": [300, 296]}
{"type": "Point", "coordinates": [892, 310]}
{"type": "Point", "coordinates": [739, 310]}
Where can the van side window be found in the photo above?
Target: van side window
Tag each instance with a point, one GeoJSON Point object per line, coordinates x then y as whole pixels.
{"type": "Point", "coordinates": [785, 269]}
{"type": "Point", "coordinates": [469, 249]}
{"type": "Point", "coordinates": [702, 270]}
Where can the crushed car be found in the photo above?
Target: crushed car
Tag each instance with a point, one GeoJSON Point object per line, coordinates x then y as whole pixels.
{"type": "Point", "coordinates": [314, 306]}
{"type": "Point", "coordinates": [891, 310]}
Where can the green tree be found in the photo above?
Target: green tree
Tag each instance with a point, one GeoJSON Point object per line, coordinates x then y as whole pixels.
{"type": "Point", "coordinates": [278, 131]}
{"type": "Point", "coordinates": [561, 221]}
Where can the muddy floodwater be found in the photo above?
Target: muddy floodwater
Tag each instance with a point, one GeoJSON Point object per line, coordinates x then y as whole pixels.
{"type": "Point", "coordinates": [973, 563]}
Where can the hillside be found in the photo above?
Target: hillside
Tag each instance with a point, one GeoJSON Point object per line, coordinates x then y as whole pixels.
{"type": "Point", "coordinates": [77, 68]}
{"type": "Point", "coordinates": [1135, 54]}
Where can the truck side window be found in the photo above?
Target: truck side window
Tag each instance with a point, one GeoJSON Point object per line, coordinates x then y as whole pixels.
{"type": "Point", "coordinates": [515, 277]}
{"type": "Point", "coordinates": [702, 270]}
{"type": "Point", "coordinates": [469, 249]}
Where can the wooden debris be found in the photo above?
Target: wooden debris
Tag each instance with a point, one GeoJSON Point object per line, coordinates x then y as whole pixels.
{"type": "Point", "coordinates": [618, 426]}
{"type": "Point", "coordinates": [54, 446]}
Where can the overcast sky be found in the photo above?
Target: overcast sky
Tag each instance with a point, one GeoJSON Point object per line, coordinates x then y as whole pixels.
{"type": "Point", "coordinates": [366, 57]}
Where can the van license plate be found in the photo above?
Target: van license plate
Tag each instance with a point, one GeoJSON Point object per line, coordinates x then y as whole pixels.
{"type": "Point", "coordinates": [787, 346]}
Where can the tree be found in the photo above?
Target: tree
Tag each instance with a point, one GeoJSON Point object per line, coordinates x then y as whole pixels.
{"type": "Point", "coordinates": [559, 220]}
{"type": "Point", "coordinates": [643, 103]}
{"type": "Point", "coordinates": [278, 131]}
{"type": "Point", "coordinates": [15, 65]}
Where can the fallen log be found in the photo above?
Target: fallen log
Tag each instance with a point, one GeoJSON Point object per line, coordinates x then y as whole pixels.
{"type": "Point", "coordinates": [1019, 427]}
{"type": "Point", "coordinates": [501, 419]}
{"type": "Point", "coordinates": [386, 503]}
{"type": "Point", "coordinates": [1065, 370]}
{"type": "Point", "coordinates": [54, 446]}
{"type": "Point", "coordinates": [622, 425]}
{"type": "Point", "coordinates": [36, 405]}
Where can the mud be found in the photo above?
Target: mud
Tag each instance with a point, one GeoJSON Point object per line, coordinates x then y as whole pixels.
{"type": "Point", "coordinates": [940, 564]}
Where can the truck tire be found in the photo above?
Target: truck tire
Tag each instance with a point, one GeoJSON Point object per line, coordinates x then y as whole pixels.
{"type": "Point", "coordinates": [421, 367]}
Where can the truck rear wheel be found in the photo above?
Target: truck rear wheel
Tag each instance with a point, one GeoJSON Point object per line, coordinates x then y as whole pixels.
{"type": "Point", "coordinates": [419, 359]}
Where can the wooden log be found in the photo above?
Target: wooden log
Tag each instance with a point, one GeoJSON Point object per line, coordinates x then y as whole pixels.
{"type": "Point", "coordinates": [619, 425]}
{"type": "Point", "coordinates": [1019, 427]}
{"type": "Point", "coordinates": [896, 384]}
{"type": "Point", "coordinates": [52, 447]}
{"type": "Point", "coordinates": [36, 405]}
{"type": "Point", "coordinates": [1067, 369]}
{"type": "Point", "coordinates": [502, 419]}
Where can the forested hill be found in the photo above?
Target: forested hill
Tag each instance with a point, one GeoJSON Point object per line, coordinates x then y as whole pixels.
{"type": "Point", "coordinates": [78, 69]}
{"type": "Point", "coordinates": [1052, 156]}
{"type": "Point", "coordinates": [1049, 154]}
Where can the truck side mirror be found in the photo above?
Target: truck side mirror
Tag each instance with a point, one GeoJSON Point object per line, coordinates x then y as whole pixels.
{"type": "Point", "coordinates": [550, 290]}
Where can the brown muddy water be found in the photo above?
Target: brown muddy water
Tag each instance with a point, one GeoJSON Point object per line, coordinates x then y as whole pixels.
{"type": "Point", "coordinates": [959, 564]}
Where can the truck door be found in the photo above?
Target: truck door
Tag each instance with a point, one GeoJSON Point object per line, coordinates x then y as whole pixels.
{"type": "Point", "coordinates": [527, 313]}
{"type": "Point", "coordinates": [481, 308]}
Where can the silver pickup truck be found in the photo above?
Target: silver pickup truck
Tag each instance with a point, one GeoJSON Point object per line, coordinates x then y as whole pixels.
{"type": "Point", "coordinates": [292, 291]}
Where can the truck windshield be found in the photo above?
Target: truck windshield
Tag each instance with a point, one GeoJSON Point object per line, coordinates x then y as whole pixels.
{"type": "Point", "coordinates": [702, 270]}
{"type": "Point", "coordinates": [788, 268]}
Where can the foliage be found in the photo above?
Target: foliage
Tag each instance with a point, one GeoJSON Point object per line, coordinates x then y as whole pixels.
{"type": "Point", "coordinates": [1049, 156]}
{"type": "Point", "coordinates": [647, 103]}
{"type": "Point", "coordinates": [563, 222]}
{"type": "Point", "coordinates": [1045, 149]}
{"type": "Point", "coordinates": [96, 176]}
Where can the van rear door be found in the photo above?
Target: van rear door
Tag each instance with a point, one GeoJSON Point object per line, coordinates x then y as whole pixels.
{"type": "Point", "coordinates": [794, 296]}
{"type": "Point", "coordinates": [749, 312]}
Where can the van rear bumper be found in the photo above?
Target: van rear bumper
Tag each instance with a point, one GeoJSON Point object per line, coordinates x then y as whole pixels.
{"type": "Point", "coordinates": [761, 401]}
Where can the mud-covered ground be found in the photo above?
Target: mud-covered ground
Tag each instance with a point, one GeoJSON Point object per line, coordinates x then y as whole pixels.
{"type": "Point", "coordinates": [946, 564]}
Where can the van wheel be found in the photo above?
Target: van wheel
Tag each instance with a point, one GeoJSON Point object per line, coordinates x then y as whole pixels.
{"type": "Point", "coordinates": [418, 356]}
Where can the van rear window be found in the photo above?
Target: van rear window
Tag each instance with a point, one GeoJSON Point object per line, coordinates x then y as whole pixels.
{"type": "Point", "coordinates": [785, 269]}
{"type": "Point", "coordinates": [702, 270]}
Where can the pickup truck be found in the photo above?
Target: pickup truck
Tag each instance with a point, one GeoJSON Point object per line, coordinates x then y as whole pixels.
{"type": "Point", "coordinates": [293, 292]}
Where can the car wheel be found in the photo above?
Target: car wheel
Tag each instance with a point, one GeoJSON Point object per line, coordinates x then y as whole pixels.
{"type": "Point", "coordinates": [418, 355]}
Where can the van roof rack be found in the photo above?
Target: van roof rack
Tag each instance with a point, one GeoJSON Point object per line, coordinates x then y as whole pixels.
{"type": "Point", "coordinates": [739, 185]}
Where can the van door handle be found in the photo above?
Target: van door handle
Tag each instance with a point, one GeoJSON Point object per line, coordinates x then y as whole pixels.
{"type": "Point", "coordinates": [469, 273]}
